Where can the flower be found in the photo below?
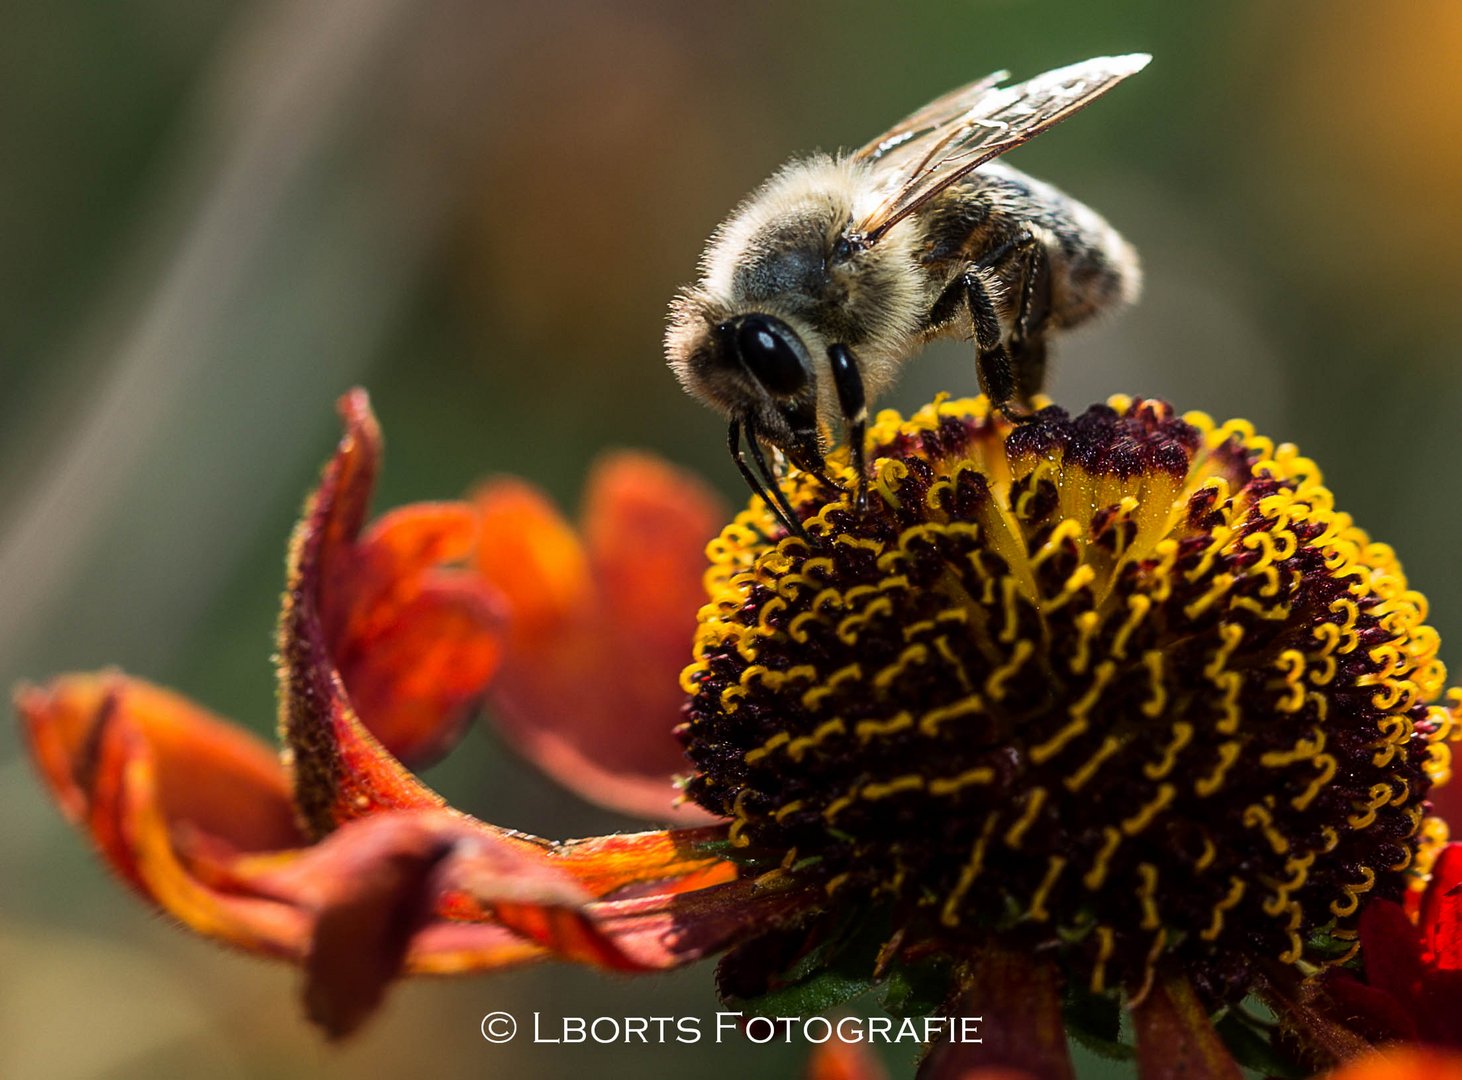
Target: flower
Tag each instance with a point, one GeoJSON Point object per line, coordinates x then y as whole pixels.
{"type": "Point", "coordinates": [334, 855]}
{"type": "Point", "coordinates": [1085, 711]}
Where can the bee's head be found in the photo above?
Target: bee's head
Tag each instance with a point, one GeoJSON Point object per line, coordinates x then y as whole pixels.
{"type": "Point", "coordinates": [754, 367]}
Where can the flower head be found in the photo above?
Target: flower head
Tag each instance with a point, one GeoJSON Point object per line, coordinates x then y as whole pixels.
{"type": "Point", "coordinates": [1123, 690]}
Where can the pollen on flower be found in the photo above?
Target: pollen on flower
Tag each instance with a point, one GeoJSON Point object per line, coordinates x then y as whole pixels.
{"type": "Point", "coordinates": [1117, 687]}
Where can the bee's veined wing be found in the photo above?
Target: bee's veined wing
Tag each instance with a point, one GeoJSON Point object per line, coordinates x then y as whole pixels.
{"type": "Point", "coordinates": [954, 134]}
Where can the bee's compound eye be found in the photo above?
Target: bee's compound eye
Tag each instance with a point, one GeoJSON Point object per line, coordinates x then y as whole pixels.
{"type": "Point", "coordinates": [772, 353]}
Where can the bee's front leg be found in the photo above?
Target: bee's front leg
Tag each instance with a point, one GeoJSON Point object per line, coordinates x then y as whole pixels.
{"type": "Point", "coordinates": [848, 380]}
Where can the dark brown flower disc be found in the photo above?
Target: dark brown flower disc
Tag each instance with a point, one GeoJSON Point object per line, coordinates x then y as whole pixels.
{"type": "Point", "coordinates": [1116, 687]}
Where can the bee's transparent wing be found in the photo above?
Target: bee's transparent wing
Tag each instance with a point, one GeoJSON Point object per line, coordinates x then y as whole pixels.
{"type": "Point", "coordinates": [954, 134]}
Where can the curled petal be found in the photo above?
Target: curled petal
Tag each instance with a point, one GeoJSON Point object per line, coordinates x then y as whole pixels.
{"type": "Point", "coordinates": [377, 612]}
{"type": "Point", "coordinates": [600, 630]}
{"type": "Point", "coordinates": [209, 775]}
{"type": "Point", "coordinates": [341, 770]}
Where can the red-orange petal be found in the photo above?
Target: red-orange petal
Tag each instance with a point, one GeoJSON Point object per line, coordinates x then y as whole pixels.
{"type": "Point", "coordinates": [1175, 1039]}
{"type": "Point", "coordinates": [210, 776]}
{"type": "Point", "coordinates": [1441, 913]}
{"type": "Point", "coordinates": [375, 884]}
{"type": "Point", "coordinates": [136, 766]}
{"type": "Point", "coordinates": [838, 1060]}
{"type": "Point", "coordinates": [1402, 1063]}
{"type": "Point", "coordinates": [600, 631]}
{"type": "Point", "coordinates": [416, 644]}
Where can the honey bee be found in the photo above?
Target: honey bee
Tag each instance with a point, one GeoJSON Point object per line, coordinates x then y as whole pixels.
{"type": "Point", "coordinates": [824, 282]}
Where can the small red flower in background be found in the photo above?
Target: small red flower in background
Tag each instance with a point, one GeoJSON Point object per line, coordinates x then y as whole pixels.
{"type": "Point", "coordinates": [1413, 964]}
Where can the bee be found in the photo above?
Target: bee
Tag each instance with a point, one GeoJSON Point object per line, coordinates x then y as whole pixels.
{"type": "Point", "coordinates": [824, 282]}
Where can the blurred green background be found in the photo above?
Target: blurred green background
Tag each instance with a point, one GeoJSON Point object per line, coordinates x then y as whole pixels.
{"type": "Point", "coordinates": [217, 216]}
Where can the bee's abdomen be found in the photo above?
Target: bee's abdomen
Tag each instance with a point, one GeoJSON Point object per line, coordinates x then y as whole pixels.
{"type": "Point", "coordinates": [1093, 269]}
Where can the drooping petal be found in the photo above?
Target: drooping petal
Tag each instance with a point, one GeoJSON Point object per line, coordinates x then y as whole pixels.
{"type": "Point", "coordinates": [210, 776]}
{"type": "Point", "coordinates": [599, 630]}
{"type": "Point", "coordinates": [433, 891]}
{"type": "Point", "coordinates": [374, 885]}
{"type": "Point", "coordinates": [1175, 1038]}
{"type": "Point", "coordinates": [195, 815]}
{"type": "Point", "coordinates": [1029, 1038]}
{"type": "Point", "coordinates": [138, 767]}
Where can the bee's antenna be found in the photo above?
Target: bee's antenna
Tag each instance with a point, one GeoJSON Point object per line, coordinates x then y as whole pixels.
{"type": "Point", "coordinates": [768, 489]}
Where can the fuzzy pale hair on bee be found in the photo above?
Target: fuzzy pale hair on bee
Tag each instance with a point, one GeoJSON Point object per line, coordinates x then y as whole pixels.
{"type": "Point", "coordinates": [777, 254]}
{"type": "Point", "coordinates": [823, 283]}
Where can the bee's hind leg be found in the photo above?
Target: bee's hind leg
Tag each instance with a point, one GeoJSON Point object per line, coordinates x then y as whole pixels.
{"type": "Point", "coordinates": [1032, 316]}
{"type": "Point", "coordinates": [993, 364]}
{"type": "Point", "coordinates": [1017, 371]}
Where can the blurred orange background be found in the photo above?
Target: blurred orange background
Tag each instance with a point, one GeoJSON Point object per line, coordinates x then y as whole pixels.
{"type": "Point", "coordinates": [218, 216]}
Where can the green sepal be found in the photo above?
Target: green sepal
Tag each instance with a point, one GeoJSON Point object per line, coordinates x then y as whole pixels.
{"type": "Point", "coordinates": [1095, 1021]}
{"type": "Point", "coordinates": [916, 990]}
{"type": "Point", "coordinates": [1251, 1047]}
{"type": "Point", "coordinates": [815, 994]}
